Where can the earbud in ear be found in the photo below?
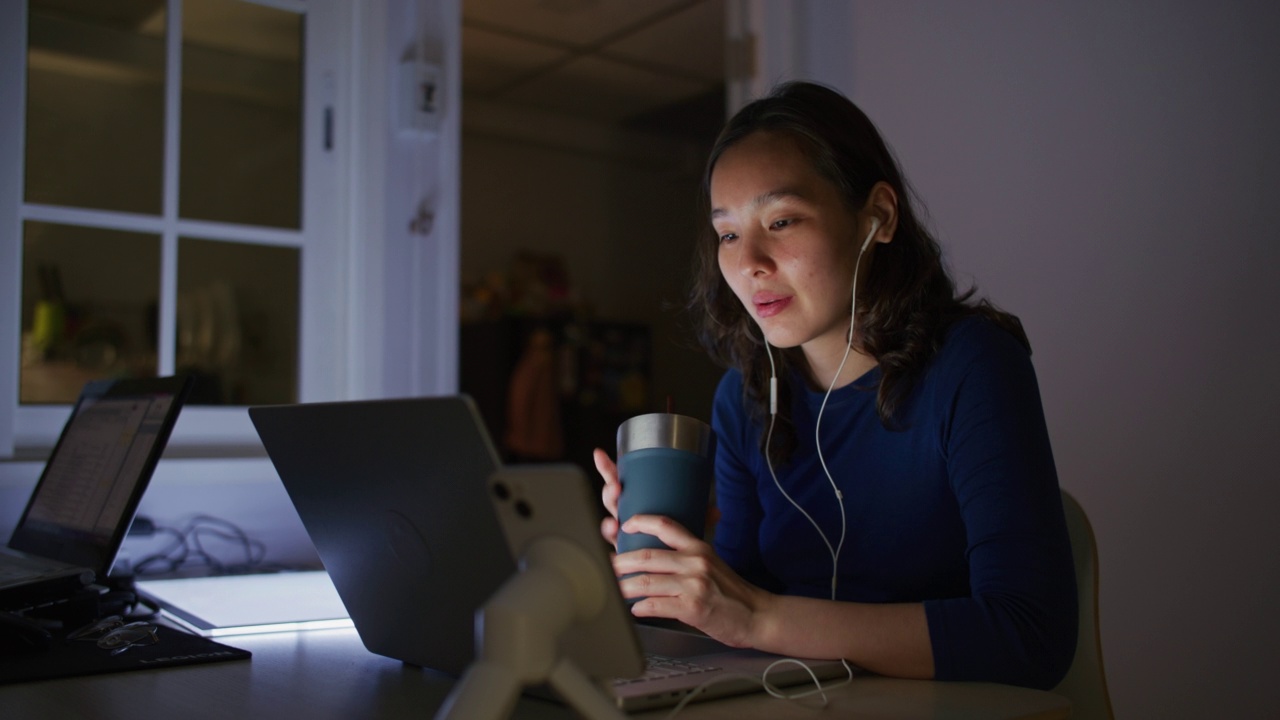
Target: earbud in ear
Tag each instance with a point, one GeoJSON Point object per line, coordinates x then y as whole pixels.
{"type": "Point", "coordinates": [875, 225]}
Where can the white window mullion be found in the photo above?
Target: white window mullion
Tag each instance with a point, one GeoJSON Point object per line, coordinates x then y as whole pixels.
{"type": "Point", "coordinates": [294, 6]}
{"type": "Point", "coordinates": [109, 219]}
{"type": "Point", "coordinates": [205, 230]}
{"type": "Point", "coordinates": [135, 223]}
{"type": "Point", "coordinates": [167, 327]}
{"type": "Point", "coordinates": [13, 69]}
{"type": "Point", "coordinates": [167, 330]}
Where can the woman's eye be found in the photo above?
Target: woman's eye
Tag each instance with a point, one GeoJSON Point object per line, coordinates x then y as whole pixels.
{"type": "Point", "coordinates": [780, 224]}
{"type": "Point", "coordinates": [728, 237]}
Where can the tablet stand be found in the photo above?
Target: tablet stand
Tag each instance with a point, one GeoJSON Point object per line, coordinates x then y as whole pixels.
{"type": "Point", "coordinates": [556, 587]}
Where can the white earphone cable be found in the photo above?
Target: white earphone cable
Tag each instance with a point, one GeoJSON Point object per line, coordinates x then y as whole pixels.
{"type": "Point", "coordinates": [818, 688]}
{"type": "Point", "coordinates": [817, 437]}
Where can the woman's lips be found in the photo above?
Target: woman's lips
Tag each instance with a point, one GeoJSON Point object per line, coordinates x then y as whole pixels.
{"type": "Point", "coordinates": [768, 304]}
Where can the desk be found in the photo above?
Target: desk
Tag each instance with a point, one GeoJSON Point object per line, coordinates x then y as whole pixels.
{"type": "Point", "coordinates": [329, 674]}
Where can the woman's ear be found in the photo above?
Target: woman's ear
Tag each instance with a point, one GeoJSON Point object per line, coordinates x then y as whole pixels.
{"type": "Point", "coordinates": [882, 204]}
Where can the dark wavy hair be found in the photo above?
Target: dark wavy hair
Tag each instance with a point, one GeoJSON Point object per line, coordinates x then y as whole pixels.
{"type": "Point", "coordinates": [908, 300]}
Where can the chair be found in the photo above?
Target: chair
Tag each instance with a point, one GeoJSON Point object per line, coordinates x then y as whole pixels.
{"type": "Point", "coordinates": [1085, 684]}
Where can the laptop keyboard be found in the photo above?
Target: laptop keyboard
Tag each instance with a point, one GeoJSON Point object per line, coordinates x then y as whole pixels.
{"type": "Point", "coordinates": [17, 567]}
{"type": "Point", "coordinates": [12, 573]}
{"type": "Point", "coordinates": [661, 666]}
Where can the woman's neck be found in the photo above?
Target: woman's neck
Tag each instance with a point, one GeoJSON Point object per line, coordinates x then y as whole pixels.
{"type": "Point", "coordinates": [823, 363]}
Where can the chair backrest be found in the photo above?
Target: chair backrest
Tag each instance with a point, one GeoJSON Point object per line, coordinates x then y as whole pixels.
{"type": "Point", "coordinates": [1086, 681]}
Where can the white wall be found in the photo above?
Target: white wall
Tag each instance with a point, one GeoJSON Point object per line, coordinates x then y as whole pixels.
{"type": "Point", "coordinates": [403, 281]}
{"type": "Point", "coordinates": [1108, 172]}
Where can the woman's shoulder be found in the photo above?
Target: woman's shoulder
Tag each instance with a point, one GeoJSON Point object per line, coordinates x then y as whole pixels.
{"type": "Point", "coordinates": [727, 406]}
{"type": "Point", "coordinates": [729, 416]}
{"type": "Point", "coordinates": [977, 346]}
{"type": "Point", "coordinates": [976, 337]}
{"type": "Point", "coordinates": [730, 386]}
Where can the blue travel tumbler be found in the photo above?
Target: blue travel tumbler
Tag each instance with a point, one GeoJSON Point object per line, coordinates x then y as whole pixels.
{"type": "Point", "coordinates": [665, 468]}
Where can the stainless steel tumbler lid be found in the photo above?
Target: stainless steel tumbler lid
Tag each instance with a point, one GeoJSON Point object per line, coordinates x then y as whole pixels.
{"type": "Point", "coordinates": [665, 430]}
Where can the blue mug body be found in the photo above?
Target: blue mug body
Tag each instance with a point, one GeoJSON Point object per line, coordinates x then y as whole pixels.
{"type": "Point", "coordinates": [663, 481]}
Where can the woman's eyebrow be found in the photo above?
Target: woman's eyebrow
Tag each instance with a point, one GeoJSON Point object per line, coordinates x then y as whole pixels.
{"type": "Point", "coordinates": [764, 199]}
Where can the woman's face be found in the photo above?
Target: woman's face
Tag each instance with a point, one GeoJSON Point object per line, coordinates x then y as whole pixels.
{"type": "Point", "coordinates": [788, 243]}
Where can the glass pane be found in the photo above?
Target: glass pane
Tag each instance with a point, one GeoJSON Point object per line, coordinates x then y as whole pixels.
{"type": "Point", "coordinates": [241, 114]}
{"type": "Point", "coordinates": [89, 300]}
{"type": "Point", "coordinates": [95, 104]}
{"type": "Point", "coordinates": [238, 321]}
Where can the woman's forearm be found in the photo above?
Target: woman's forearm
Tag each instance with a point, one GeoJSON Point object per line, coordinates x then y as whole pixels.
{"type": "Point", "coordinates": [889, 639]}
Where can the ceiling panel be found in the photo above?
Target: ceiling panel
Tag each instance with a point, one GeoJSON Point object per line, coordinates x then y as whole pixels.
{"type": "Point", "coordinates": [609, 60]}
{"type": "Point", "coordinates": [690, 42]}
{"type": "Point", "coordinates": [605, 90]}
{"type": "Point", "coordinates": [491, 62]}
{"type": "Point", "coordinates": [576, 22]}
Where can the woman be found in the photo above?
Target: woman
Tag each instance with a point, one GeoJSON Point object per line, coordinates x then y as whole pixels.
{"type": "Point", "coordinates": [900, 508]}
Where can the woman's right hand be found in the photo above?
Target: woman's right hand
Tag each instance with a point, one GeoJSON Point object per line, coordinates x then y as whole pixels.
{"type": "Point", "coordinates": [612, 489]}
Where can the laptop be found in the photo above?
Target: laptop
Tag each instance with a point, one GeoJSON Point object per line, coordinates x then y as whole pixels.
{"type": "Point", "coordinates": [393, 494]}
{"type": "Point", "coordinates": [82, 506]}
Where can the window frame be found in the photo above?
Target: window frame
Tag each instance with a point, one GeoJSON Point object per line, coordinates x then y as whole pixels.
{"type": "Point", "coordinates": [326, 351]}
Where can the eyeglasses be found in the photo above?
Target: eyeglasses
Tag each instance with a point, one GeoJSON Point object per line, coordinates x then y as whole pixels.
{"type": "Point", "coordinates": [112, 633]}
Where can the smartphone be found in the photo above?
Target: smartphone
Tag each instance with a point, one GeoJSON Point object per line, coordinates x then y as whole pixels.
{"type": "Point", "coordinates": [537, 501]}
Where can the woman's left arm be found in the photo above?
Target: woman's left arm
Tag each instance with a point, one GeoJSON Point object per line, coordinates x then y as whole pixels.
{"type": "Point", "coordinates": [1018, 623]}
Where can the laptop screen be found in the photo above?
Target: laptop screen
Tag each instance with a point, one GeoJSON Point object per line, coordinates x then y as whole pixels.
{"type": "Point", "coordinates": [91, 486]}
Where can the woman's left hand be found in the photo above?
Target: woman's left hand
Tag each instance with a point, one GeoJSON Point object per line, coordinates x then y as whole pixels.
{"type": "Point", "coordinates": [689, 583]}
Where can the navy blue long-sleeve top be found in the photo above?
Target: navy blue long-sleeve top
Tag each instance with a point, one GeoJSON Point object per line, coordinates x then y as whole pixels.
{"type": "Point", "coordinates": [957, 506]}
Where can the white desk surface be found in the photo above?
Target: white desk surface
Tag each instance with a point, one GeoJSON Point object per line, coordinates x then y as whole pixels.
{"type": "Point", "coordinates": [329, 674]}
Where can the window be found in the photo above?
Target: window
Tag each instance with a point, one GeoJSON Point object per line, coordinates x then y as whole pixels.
{"type": "Point", "coordinates": [156, 209]}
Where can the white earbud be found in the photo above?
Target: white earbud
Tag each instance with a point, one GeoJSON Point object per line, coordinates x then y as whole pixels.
{"type": "Point", "coordinates": [875, 225]}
